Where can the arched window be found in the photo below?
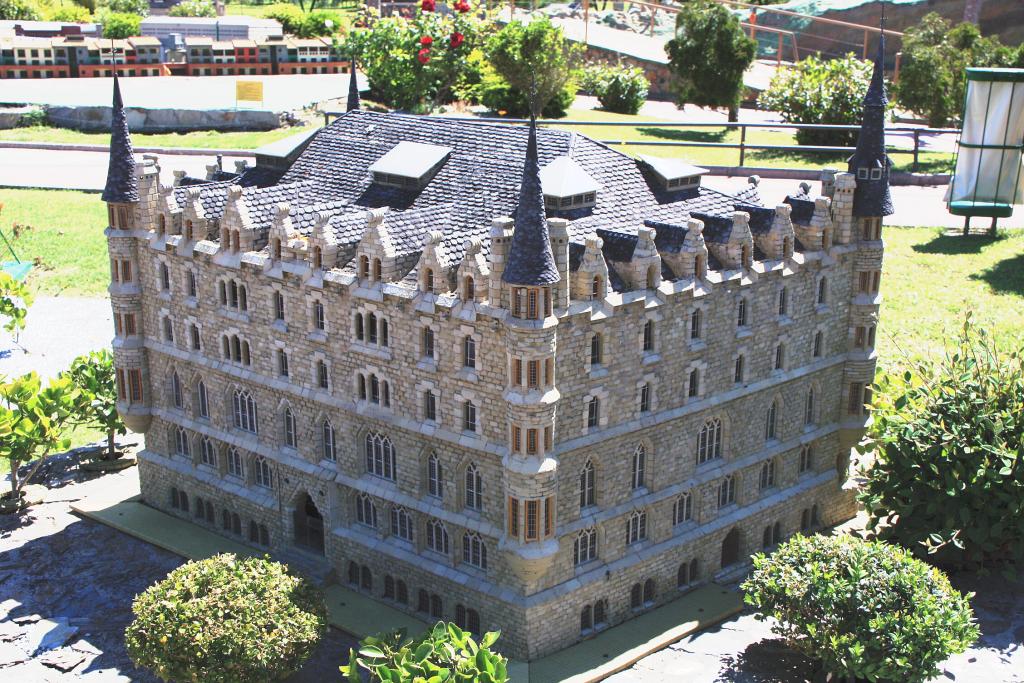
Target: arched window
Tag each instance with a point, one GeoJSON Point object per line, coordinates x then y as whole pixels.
{"type": "Point", "coordinates": [323, 379]}
{"type": "Point", "coordinates": [359, 326]}
{"type": "Point", "coordinates": [745, 256]}
{"type": "Point", "coordinates": [365, 578]}
{"type": "Point", "coordinates": [587, 482]}
{"type": "Point", "coordinates": [329, 451]}
{"type": "Point", "coordinates": [767, 477]}
{"type": "Point", "coordinates": [361, 379]}
{"type": "Point", "coordinates": [319, 315]}
{"type": "Point", "coordinates": [165, 277]}
{"type": "Point", "coordinates": [780, 356]}
{"type": "Point", "coordinates": [783, 302]}
{"type": "Point", "coordinates": [686, 574]}
{"type": "Point", "coordinates": [318, 258]}
{"type": "Point", "coordinates": [474, 488]}
{"type": "Point", "coordinates": [806, 458]}
{"type": "Point", "coordinates": [652, 277]}
{"type": "Point", "coordinates": [648, 341]}
{"type": "Point", "coordinates": [401, 523]}
{"type": "Point", "coordinates": [474, 551]}
{"type": "Point", "coordinates": [243, 298]}
{"type": "Point", "coordinates": [693, 384]}
{"type": "Point", "coordinates": [380, 456]}
{"type": "Point", "coordinates": [188, 230]}
{"type": "Point", "coordinates": [645, 397]}
{"type": "Point", "coordinates": [181, 445]}
{"type": "Point", "coordinates": [376, 269]}
{"type": "Point", "coordinates": [771, 419]}
{"type": "Point", "coordinates": [822, 291]}
{"type": "Point", "coordinates": [648, 592]}
{"type": "Point", "coordinates": [468, 352]}
{"type": "Point", "coordinates": [469, 288]}
{"type": "Point", "coordinates": [682, 510]}
{"type": "Point", "coordinates": [371, 328]}
{"type": "Point", "coordinates": [244, 410]}
{"type": "Point", "coordinates": [696, 323]}
{"type": "Point", "coordinates": [193, 285]}
{"type": "Point", "coordinates": [742, 319]}
{"type": "Point", "coordinates": [636, 596]}
{"type": "Point", "coordinates": [207, 452]}
{"type": "Point", "coordinates": [277, 248]}
{"type": "Point", "coordinates": [596, 288]}
{"type": "Point", "coordinates": [636, 527]}
{"type": "Point", "coordinates": [809, 407]}
{"type": "Point", "coordinates": [469, 422]}
{"type": "Point", "coordinates": [161, 224]}
{"type": "Point", "coordinates": [818, 342]}
{"type": "Point", "coordinates": [364, 266]}
{"type": "Point", "coordinates": [262, 474]}
{"type": "Point", "coordinates": [593, 412]}
{"type": "Point", "coordinates": [422, 601]}
{"type": "Point", "coordinates": [428, 280]}
{"type": "Point", "coordinates": [176, 393]}
{"type": "Point", "coordinates": [639, 466]}
{"type": "Point", "coordinates": [727, 491]}
{"type": "Point", "coordinates": [366, 511]}
{"type": "Point", "coordinates": [437, 537]}
{"type": "Point", "coordinates": [595, 349]}
{"type": "Point", "coordinates": [600, 613]}
{"type": "Point", "coordinates": [436, 610]}
{"type": "Point", "coordinates": [402, 592]}
{"type": "Point", "coordinates": [584, 548]}
{"type": "Point", "coordinates": [435, 476]}
{"type": "Point", "coordinates": [234, 462]}
{"type": "Point", "coordinates": [290, 438]}
{"type": "Point", "coordinates": [709, 441]}
{"type": "Point", "coordinates": [389, 587]}
{"type": "Point", "coordinates": [196, 339]}
{"type": "Point", "coordinates": [586, 619]}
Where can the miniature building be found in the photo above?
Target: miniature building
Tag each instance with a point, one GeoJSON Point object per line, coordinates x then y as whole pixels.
{"type": "Point", "coordinates": [474, 405]}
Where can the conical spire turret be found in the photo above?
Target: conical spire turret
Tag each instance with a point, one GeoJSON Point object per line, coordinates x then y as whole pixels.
{"type": "Point", "coordinates": [122, 185]}
{"type": "Point", "coordinates": [353, 87]}
{"type": "Point", "coordinates": [530, 260]}
{"type": "Point", "coordinates": [869, 163]}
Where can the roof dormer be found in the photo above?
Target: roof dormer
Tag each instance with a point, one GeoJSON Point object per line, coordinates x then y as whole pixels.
{"type": "Point", "coordinates": [409, 165]}
{"type": "Point", "coordinates": [674, 174]}
{"type": "Point", "coordinates": [567, 186]}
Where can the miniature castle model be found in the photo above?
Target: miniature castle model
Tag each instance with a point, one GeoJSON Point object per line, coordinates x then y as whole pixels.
{"type": "Point", "coordinates": [541, 396]}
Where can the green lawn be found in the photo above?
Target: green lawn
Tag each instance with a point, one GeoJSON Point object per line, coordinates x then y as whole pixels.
{"type": "Point", "coordinates": [203, 139]}
{"type": "Point", "coordinates": [345, 12]}
{"type": "Point", "coordinates": [62, 232]}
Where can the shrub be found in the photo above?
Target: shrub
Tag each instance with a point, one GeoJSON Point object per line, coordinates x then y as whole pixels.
{"type": "Point", "coordinates": [121, 25]}
{"type": "Point", "coordinates": [533, 56]}
{"type": "Point", "coordinates": [948, 438]}
{"type": "Point", "coordinates": [15, 298]}
{"type": "Point", "coordinates": [137, 7]}
{"type": "Point", "coordinates": [290, 17]}
{"type": "Point", "coordinates": [93, 374]}
{"type": "Point", "coordinates": [621, 89]}
{"type": "Point", "coordinates": [863, 609]}
{"type": "Point", "coordinates": [416, 63]}
{"type": "Point", "coordinates": [226, 619]}
{"type": "Point", "coordinates": [193, 8]}
{"type": "Point", "coordinates": [708, 56]}
{"type": "Point", "coordinates": [444, 653]}
{"type": "Point", "coordinates": [316, 24]}
{"type": "Point", "coordinates": [932, 73]}
{"type": "Point", "coordinates": [499, 96]}
{"type": "Point", "coordinates": [71, 13]}
{"type": "Point", "coordinates": [821, 91]}
{"type": "Point", "coordinates": [19, 9]}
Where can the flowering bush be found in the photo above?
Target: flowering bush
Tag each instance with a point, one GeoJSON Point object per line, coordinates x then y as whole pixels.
{"type": "Point", "coordinates": [418, 63]}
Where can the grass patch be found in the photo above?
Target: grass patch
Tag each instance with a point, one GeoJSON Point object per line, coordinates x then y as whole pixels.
{"type": "Point", "coordinates": [345, 12]}
{"type": "Point", "coordinates": [203, 139]}
{"type": "Point", "coordinates": [62, 232]}
{"type": "Point", "coordinates": [931, 279]}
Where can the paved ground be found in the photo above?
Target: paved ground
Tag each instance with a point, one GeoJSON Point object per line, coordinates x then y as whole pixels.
{"type": "Point", "coordinates": [280, 93]}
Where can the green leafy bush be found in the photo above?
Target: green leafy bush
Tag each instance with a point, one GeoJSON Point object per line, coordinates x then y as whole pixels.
{"type": "Point", "coordinates": [933, 70]}
{"type": "Point", "coordinates": [317, 24]}
{"type": "Point", "coordinates": [121, 25]}
{"type": "Point", "coordinates": [290, 17]}
{"type": "Point", "coordinates": [444, 653]}
{"type": "Point", "coordinates": [821, 91]}
{"type": "Point", "coordinates": [619, 88]}
{"type": "Point", "coordinates": [15, 298]}
{"type": "Point", "coordinates": [534, 56]}
{"type": "Point", "coordinates": [226, 620]}
{"type": "Point", "coordinates": [708, 56]}
{"type": "Point", "coordinates": [416, 63]}
{"type": "Point", "coordinates": [93, 374]}
{"type": "Point", "coordinates": [137, 7]}
{"type": "Point", "coordinates": [948, 439]}
{"type": "Point", "coordinates": [500, 97]}
{"type": "Point", "coordinates": [19, 9]}
{"type": "Point", "coordinates": [71, 13]}
{"type": "Point", "coordinates": [863, 609]}
{"type": "Point", "coordinates": [193, 8]}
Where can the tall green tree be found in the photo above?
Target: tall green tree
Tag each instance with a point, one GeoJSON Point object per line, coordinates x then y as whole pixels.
{"type": "Point", "coordinates": [120, 25]}
{"type": "Point", "coordinates": [535, 57]}
{"type": "Point", "coordinates": [708, 56]}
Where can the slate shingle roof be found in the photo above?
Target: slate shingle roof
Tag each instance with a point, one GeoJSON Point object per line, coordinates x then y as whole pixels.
{"type": "Point", "coordinates": [122, 185]}
{"type": "Point", "coordinates": [803, 208]}
{"type": "Point", "coordinates": [353, 88]}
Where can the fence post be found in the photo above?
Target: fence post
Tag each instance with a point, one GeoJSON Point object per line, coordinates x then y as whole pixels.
{"type": "Point", "coordinates": [917, 148]}
{"type": "Point", "coordinates": [743, 143]}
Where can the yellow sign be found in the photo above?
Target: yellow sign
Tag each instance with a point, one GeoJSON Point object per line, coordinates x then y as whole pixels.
{"type": "Point", "coordinates": [249, 91]}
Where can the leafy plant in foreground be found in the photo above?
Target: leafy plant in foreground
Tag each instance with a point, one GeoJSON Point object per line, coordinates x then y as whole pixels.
{"type": "Point", "coordinates": [93, 374]}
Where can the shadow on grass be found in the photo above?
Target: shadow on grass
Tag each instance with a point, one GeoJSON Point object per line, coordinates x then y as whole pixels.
{"type": "Point", "coordinates": [902, 163]}
{"type": "Point", "coordinates": [683, 135]}
{"type": "Point", "coordinates": [1006, 277]}
{"type": "Point", "coordinates": [946, 243]}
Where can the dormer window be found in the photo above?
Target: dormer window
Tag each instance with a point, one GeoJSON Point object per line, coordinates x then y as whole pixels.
{"type": "Point", "coordinates": [674, 175]}
{"type": "Point", "coordinates": [567, 186]}
{"type": "Point", "coordinates": [409, 165]}
{"type": "Point", "coordinates": [876, 174]}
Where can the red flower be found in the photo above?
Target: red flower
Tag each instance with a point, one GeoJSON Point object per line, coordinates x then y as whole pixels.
{"type": "Point", "coordinates": [462, 6]}
{"type": "Point", "coordinates": [423, 55]}
{"type": "Point", "coordinates": [427, 5]}
{"type": "Point", "coordinates": [426, 41]}
{"type": "Point", "coordinates": [456, 39]}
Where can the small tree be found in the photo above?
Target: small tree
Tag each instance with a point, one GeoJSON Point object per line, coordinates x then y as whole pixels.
{"type": "Point", "coordinates": [444, 653]}
{"type": "Point", "coordinates": [708, 56]}
{"type": "Point", "coordinates": [15, 298]}
{"type": "Point", "coordinates": [535, 57]}
{"type": "Point", "coordinates": [862, 609]}
{"type": "Point", "coordinates": [121, 25]}
{"type": "Point", "coordinates": [948, 439]}
{"type": "Point", "coordinates": [193, 8]}
{"type": "Point", "coordinates": [619, 88]}
{"type": "Point", "coordinates": [821, 91]}
{"type": "Point", "coordinates": [137, 7]}
{"type": "Point", "coordinates": [226, 620]}
{"type": "Point", "coordinates": [93, 374]}
{"type": "Point", "coordinates": [32, 422]}
{"type": "Point", "coordinates": [19, 9]}
{"type": "Point", "coordinates": [71, 13]}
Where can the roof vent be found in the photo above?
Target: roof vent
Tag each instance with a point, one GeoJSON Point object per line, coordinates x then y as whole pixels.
{"type": "Point", "coordinates": [567, 186]}
{"type": "Point", "coordinates": [674, 174]}
{"type": "Point", "coordinates": [409, 165]}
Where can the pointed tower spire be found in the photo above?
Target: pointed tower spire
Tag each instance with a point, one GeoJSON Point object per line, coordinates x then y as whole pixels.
{"type": "Point", "coordinates": [122, 185]}
{"type": "Point", "coordinates": [869, 163]}
{"type": "Point", "coordinates": [530, 260]}
{"type": "Point", "coordinates": [353, 87]}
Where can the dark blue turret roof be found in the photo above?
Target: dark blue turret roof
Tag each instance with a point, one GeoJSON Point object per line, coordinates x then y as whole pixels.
{"type": "Point", "coordinates": [871, 197]}
{"type": "Point", "coordinates": [530, 261]}
{"type": "Point", "coordinates": [353, 88]}
{"type": "Point", "coordinates": [122, 185]}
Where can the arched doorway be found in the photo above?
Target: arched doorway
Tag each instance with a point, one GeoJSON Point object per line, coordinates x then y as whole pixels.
{"type": "Point", "coordinates": [731, 548]}
{"type": "Point", "coordinates": [309, 525]}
